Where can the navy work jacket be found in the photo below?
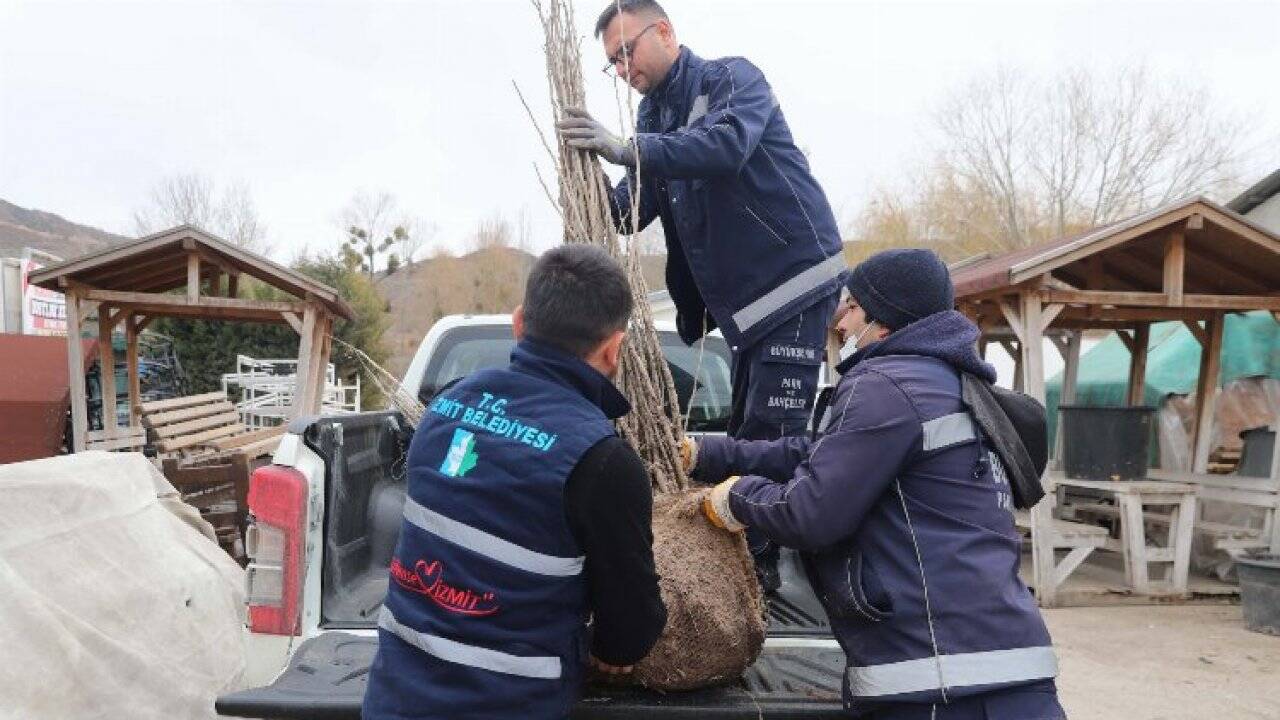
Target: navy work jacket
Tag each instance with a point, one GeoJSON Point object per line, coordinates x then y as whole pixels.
{"type": "Point", "coordinates": [751, 238]}
{"type": "Point", "coordinates": [904, 517]}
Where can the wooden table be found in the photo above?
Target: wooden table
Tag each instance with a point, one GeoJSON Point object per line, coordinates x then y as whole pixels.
{"type": "Point", "coordinates": [1131, 497]}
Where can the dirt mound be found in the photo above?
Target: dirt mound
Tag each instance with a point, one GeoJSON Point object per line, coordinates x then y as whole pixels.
{"type": "Point", "coordinates": [715, 612]}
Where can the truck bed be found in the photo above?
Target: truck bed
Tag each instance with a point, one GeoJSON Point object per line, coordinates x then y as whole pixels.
{"type": "Point", "coordinates": [327, 675]}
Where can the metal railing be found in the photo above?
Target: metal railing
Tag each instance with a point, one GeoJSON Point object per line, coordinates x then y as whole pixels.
{"type": "Point", "coordinates": [265, 390]}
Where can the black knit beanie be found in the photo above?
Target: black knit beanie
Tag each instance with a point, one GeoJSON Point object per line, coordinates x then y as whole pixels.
{"type": "Point", "coordinates": [898, 287]}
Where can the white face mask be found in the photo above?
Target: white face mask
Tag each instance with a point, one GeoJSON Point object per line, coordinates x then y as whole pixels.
{"type": "Point", "coordinates": [851, 345]}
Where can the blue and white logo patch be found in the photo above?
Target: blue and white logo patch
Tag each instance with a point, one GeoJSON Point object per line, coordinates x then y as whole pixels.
{"type": "Point", "coordinates": [461, 456]}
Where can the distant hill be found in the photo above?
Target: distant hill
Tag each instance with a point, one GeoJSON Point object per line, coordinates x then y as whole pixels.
{"type": "Point", "coordinates": [22, 228]}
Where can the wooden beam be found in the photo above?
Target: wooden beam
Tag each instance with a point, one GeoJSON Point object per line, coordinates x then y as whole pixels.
{"type": "Point", "coordinates": [107, 373]}
{"type": "Point", "coordinates": [233, 284]}
{"type": "Point", "coordinates": [75, 374]}
{"type": "Point", "coordinates": [1134, 314]}
{"type": "Point", "coordinates": [1197, 332]}
{"type": "Point", "coordinates": [144, 321]}
{"type": "Point", "coordinates": [114, 317]}
{"type": "Point", "coordinates": [131, 372]}
{"type": "Point", "coordinates": [1175, 260]}
{"type": "Point", "coordinates": [1070, 381]}
{"type": "Point", "coordinates": [119, 297]}
{"type": "Point", "coordinates": [1138, 363]}
{"type": "Point", "coordinates": [302, 382]}
{"type": "Point", "coordinates": [1032, 371]}
{"type": "Point", "coordinates": [1127, 339]}
{"type": "Point", "coordinates": [1012, 316]}
{"type": "Point", "coordinates": [1149, 299]}
{"type": "Point", "coordinates": [324, 341]}
{"type": "Point", "coordinates": [1051, 312]}
{"type": "Point", "coordinates": [1206, 393]}
{"type": "Point", "coordinates": [1195, 222]}
{"type": "Point", "coordinates": [293, 320]}
{"type": "Point", "coordinates": [193, 277]}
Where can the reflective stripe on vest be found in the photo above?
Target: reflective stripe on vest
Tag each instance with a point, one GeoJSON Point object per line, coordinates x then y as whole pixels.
{"type": "Point", "coordinates": [799, 284]}
{"type": "Point", "coordinates": [947, 430]}
{"type": "Point", "coordinates": [490, 546]}
{"type": "Point", "coordinates": [995, 667]}
{"type": "Point", "coordinates": [546, 668]}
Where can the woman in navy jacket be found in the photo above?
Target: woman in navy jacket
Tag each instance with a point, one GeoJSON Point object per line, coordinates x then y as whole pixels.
{"type": "Point", "coordinates": [901, 511]}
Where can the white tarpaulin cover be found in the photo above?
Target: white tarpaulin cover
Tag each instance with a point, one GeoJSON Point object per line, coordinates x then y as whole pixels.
{"type": "Point", "coordinates": [113, 601]}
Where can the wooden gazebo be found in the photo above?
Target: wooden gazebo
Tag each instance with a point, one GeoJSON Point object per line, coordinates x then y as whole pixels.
{"type": "Point", "coordinates": [1191, 261]}
{"type": "Point", "coordinates": [132, 284]}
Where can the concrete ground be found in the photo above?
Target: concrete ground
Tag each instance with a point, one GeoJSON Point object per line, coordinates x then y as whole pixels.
{"type": "Point", "coordinates": [1192, 662]}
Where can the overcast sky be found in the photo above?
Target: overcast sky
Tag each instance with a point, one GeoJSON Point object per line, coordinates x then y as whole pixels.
{"type": "Point", "coordinates": [306, 102]}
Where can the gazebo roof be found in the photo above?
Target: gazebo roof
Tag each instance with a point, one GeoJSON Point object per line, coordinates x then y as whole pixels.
{"type": "Point", "coordinates": [1226, 255]}
{"type": "Point", "coordinates": [158, 263]}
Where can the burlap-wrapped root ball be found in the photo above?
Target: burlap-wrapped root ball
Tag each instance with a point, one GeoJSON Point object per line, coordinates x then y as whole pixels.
{"type": "Point", "coordinates": [715, 612]}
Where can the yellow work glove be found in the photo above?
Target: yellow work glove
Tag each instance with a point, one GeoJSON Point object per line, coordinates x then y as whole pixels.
{"type": "Point", "coordinates": [688, 454]}
{"type": "Point", "coordinates": [716, 507]}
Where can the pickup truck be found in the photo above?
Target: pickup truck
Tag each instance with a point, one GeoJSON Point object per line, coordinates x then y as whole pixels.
{"type": "Point", "coordinates": [326, 512]}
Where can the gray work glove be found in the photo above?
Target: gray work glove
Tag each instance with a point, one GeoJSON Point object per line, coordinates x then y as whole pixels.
{"type": "Point", "coordinates": [581, 131]}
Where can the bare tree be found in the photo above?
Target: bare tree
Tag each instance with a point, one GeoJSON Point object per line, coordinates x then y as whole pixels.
{"type": "Point", "coordinates": [411, 235]}
{"type": "Point", "coordinates": [1082, 148]}
{"type": "Point", "coordinates": [193, 199]}
{"type": "Point", "coordinates": [238, 219]}
{"type": "Point", "coordinates": [367, 222]}
{"type": "Point", "coordinates": [493, 232]}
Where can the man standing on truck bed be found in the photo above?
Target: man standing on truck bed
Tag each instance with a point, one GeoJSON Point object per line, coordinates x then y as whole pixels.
{"type": "Point", "coordinates": [752, 244]}
{"type": "Point", "coordinates": [525, 515]}
{"type": "Point", "coordinates": [903, 511]}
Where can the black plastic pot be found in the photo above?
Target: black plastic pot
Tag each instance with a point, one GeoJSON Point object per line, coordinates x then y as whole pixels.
{"type": "Point", "coordinates": [1260, 592]}
{"type": "Point", "coordinates": [1105, 443]}
{"type": "Point", "coordinates": [1255, 458]}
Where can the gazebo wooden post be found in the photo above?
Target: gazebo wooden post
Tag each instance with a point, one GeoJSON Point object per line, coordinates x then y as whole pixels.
{"type": "Point", "coordinates": [1070, 351]}
{"type": "Point", "coordinates": [107, 371]}
{"type": "Point", "coordinates": [1138, 363]}
{"type": "Point", "coordinates": [313, 359]}
{"type": "Point", "coordinates": [75, 373]}
{"type": "Point", "coordinates": [325, 342]}
{"type": "Point", "coordinates": [131, 362]}
{"type": "Point", "coordinates": [1206, 392]}
{"type": "Point", "coordinates": [1042, 540]}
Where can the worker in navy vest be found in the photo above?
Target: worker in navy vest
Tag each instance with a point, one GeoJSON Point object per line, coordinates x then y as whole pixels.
{"type": "Point", "coordinates": [902, 512]}
{"type": "Point", "coordinates": [526, 518]}
{"type": "Point", "coordinates": [752, 245]}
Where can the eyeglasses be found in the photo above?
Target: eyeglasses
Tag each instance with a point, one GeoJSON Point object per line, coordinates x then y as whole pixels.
{"type": "Point", "coordinates": [625, 52]}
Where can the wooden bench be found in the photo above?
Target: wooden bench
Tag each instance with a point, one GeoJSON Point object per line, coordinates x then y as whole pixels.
{"type": "Point", "coordinates": [200, 426]}
{"type": "Point", "coordinates": [1225, 537]}
{"type": "Point", "coordinates": [1263, 493]}
{"type": "Point", "coordinates": [1080, 539]}
{"type": "Point", "coordinates": [127, 439]}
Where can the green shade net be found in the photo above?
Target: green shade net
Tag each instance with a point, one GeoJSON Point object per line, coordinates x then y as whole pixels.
{"type": "Point", "coordinates": [1250, 348]}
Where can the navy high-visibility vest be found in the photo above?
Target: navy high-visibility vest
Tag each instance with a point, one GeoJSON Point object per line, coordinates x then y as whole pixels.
{"type": "Point", "coordinates": [486, 608]}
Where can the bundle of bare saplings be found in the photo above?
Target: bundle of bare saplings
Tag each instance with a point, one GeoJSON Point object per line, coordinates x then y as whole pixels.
{"type": "Point", "coordinates": [715, 625]}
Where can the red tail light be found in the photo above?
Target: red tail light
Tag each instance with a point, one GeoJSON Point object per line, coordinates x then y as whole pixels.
{"type": "Point", "coordinates": [275, 544]}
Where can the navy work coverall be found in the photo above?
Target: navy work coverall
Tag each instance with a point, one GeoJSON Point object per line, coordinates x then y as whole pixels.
{"type": "Point", "coordinates": [752, 244]}
{"type": "Point", "coordinates": [904, 518]}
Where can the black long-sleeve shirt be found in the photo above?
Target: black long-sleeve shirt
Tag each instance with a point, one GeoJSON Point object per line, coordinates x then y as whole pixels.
{"type": "Point", "coordinates": [609, 505]}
